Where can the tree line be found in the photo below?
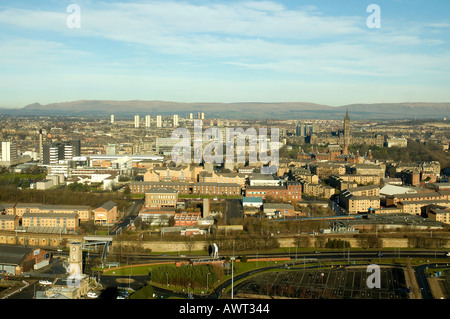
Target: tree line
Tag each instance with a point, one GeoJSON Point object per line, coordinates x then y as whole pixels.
{"type": "Point", "coordinates": [10, 194]}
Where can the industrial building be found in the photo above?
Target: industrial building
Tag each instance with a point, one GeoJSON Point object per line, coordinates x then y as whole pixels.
{"type": "Point", "coordinates": [15, 260]}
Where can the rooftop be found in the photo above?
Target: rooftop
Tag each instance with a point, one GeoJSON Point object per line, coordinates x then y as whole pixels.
{"type": "Point", "coordinates": [14, 255]}
{"type": "Point", "coordinates": [161, 191]}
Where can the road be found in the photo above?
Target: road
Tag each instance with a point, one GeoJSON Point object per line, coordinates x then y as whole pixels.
{"type": "Point", "coordinates": [128, 218]}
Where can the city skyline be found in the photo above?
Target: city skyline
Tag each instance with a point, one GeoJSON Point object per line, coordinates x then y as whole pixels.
{"type": "Point", "coordinates": [235, 51]}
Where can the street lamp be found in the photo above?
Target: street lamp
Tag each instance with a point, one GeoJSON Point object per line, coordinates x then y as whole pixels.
{"type": "Point", "coordinates": [232, 276]}
{"type": "Point", "coordinates": [129, 277]}
{"type": "Point", "coordinates": [207, 282]}
{"type": "Point", "coordinates": [167, 275]}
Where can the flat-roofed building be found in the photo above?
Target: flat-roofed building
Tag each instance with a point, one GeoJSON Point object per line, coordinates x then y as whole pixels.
{"type": "Point", "coordinates": [387, 210]}
{"type": "Point", "coordinates": [264, 180]}
{"type": "Point", "coordinates": [156, 216]}
{"type": "Point", "coordinates": [186, 218]}
{"type": "Point", "coordinates": [397, 142]}
{"type": "Point", "coordinates": [161, 197]}
{"type": "Point", "coordinates": [44, 184]}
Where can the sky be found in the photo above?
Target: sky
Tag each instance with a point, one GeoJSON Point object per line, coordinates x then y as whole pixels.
{"type": "Point", "coordinates": [321, 51]}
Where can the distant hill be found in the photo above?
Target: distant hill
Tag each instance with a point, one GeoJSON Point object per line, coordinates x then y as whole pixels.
{"type": "Point", "coordinates": [244, 110]}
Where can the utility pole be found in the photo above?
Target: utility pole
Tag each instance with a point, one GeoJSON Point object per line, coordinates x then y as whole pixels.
{"type": "Point", "coordinates": [232, 277]}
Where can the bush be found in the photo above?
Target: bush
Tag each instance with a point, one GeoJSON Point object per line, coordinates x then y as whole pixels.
{"type": "Point", "coordinates": [144, 293]}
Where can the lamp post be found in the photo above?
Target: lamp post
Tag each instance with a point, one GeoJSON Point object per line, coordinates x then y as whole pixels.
{"type": "Point", "coordinates": [207, 282]}
{"type": "Point", "coordinates": [232, 276]}
{"type": "Point", "coordinates": [167, 275]}
{"type": "Point", "coordinates": [129, 277]}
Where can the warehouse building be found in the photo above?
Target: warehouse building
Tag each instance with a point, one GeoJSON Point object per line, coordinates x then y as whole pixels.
{"type": "Point", "coordinates": [15, 260]}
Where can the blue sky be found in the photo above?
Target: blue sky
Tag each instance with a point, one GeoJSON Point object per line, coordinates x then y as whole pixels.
{"type": "Point", "coordinates": [225, 51]}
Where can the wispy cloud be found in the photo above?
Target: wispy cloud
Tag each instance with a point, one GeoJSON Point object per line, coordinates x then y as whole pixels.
{"type": "Point", "coordinates": [210, 40]}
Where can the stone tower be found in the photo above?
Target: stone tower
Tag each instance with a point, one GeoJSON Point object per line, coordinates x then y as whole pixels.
{"type": "Point", "coordinates": [76, 258]}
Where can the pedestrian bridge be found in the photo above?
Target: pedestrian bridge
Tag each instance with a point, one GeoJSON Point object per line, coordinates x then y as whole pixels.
{"type": "Point", "coordinates": [97, 238]}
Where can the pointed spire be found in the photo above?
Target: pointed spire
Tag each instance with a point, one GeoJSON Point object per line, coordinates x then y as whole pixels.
{"type": "Point", "coordinates": [347, 117]}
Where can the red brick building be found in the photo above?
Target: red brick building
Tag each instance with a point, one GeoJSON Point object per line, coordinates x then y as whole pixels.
{"type": "Point", "coordinates": [289, 192]}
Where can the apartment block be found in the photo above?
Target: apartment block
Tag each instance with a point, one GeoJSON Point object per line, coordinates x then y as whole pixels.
{"type": "Point", "coordinates": [9, 222]}
{"type": "Point", "coordinates": [68, 221]}
{"type": "Point", "coordinates": [440, 214]}
{"type": "Point", "coordinates": [361, 204]}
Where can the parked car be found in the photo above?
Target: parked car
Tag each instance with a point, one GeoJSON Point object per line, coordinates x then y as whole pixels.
{"type": "Point", "coordinates": [91, 294]}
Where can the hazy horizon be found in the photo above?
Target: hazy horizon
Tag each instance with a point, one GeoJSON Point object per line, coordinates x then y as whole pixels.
{"type": "Point", "coordinates": [324, 52]}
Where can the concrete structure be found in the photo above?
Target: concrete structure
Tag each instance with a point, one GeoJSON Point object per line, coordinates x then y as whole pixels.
{"type": "Point", "coordinates": [56, 152]}
{"type": "Point", "coordinates": [44, 184]}
{"type": "Point", "coordinates": [8, 152]}
{"type": "Point", "coordinates": [158, 121]}
{"type": "Point", "coordinates": [205, 211]}
{"type": "Point", "coordinates": [136, 121]}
